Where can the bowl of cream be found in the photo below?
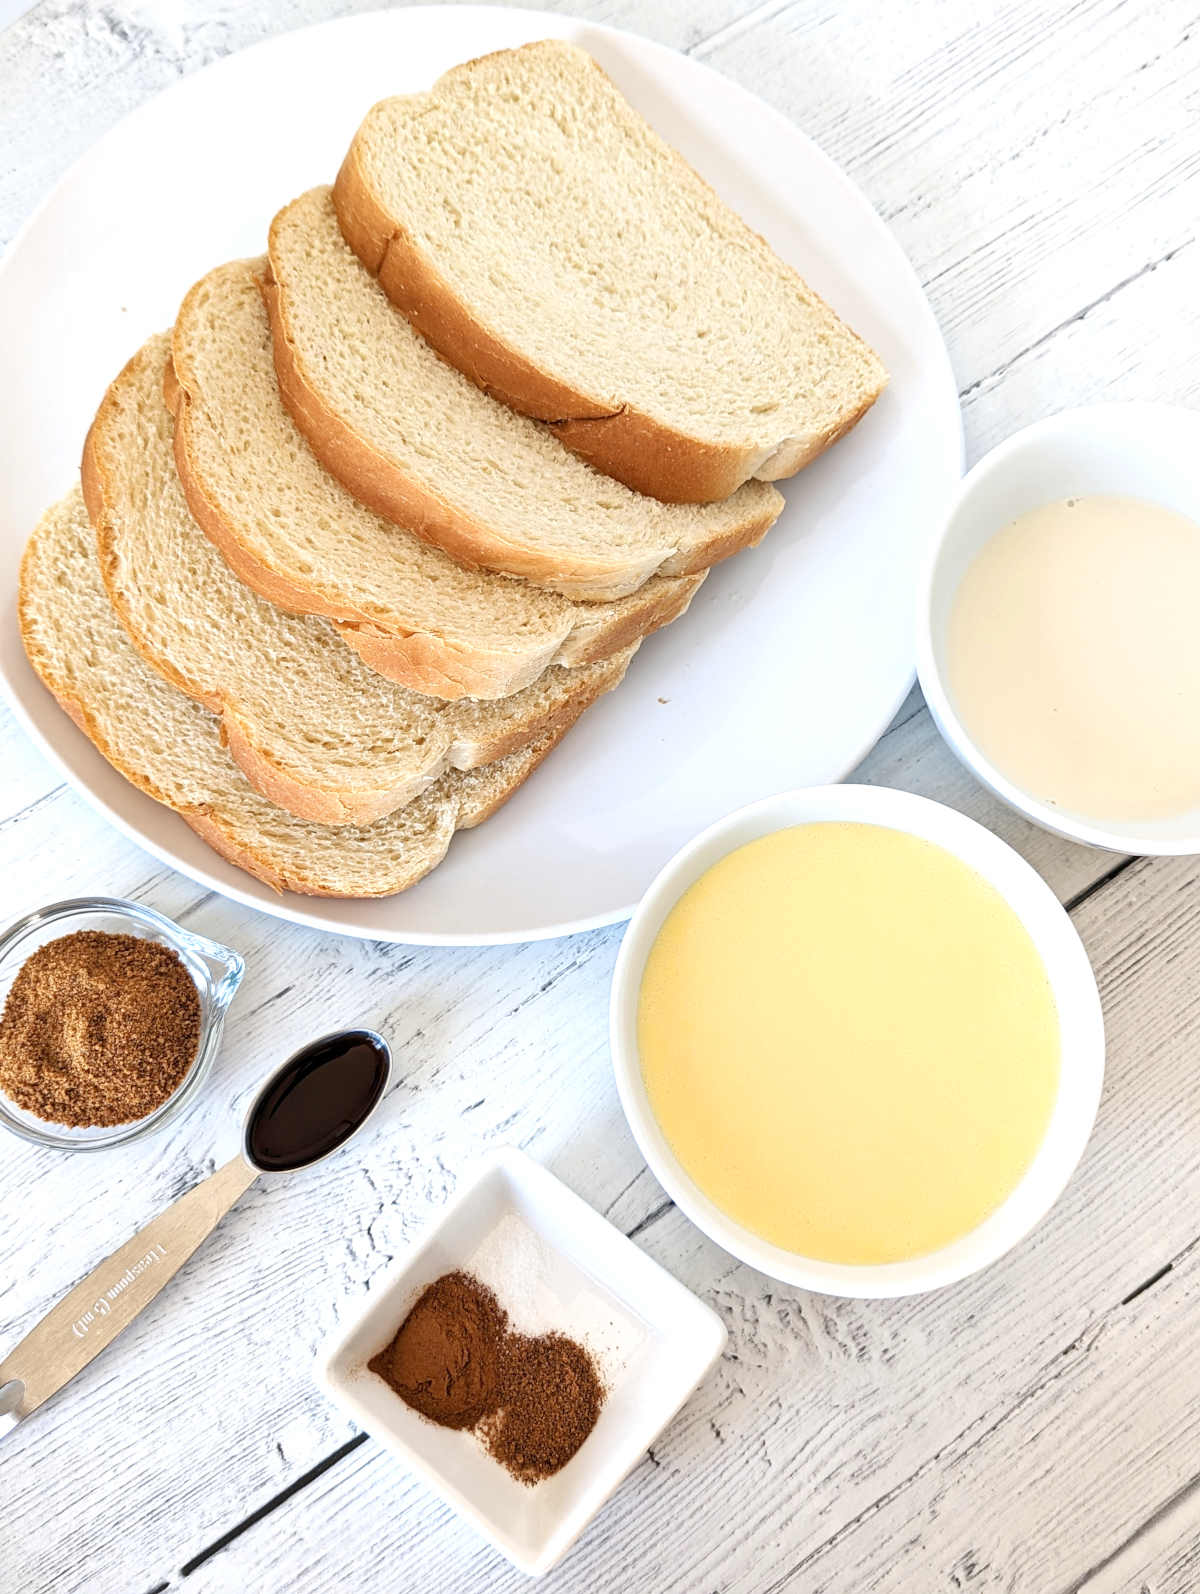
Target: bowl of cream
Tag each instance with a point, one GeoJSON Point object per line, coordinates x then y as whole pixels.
{"type": "Point", "coordinates": [1057, 629]}
{"type": "Point", "coordinates": [857, 1040]}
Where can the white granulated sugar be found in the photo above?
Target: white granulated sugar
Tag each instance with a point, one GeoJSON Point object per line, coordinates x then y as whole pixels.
{"type": "Point", "coordinates": [544, 1291]}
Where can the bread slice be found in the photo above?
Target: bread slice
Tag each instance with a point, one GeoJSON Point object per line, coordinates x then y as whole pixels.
{"type": "Point", "coordinates": [548, 243]}
{"type": "Point", "coordinates": [312, 726]}
{"type": "Point", "coordinates": [419, 443]}
{"type": "Point", "coordinates": [300, 539]}
{"type": "Point", "coordinates": [170, 746]}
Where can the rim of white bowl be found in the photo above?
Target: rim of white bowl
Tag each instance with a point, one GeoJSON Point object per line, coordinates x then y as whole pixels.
{"type": "Point", "coordinates": [1072, 982]}
{"type": "Point", "coordinates": [1060, 822]}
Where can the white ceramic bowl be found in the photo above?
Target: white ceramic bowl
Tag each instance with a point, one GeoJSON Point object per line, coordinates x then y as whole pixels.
{"type": "Point", "coordinates": [1071, 978]}
{"type": "Point", "coordinates": [554, 1262]}
{"type": "Point", "coordinates": [1145, 450]}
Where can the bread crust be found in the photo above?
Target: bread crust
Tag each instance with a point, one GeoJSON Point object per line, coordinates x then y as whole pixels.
{"type": "Point", "coordinates": [410, 658]}
{"type": "Point", "coordinates": [320, 804]}
{"type": "Point", "coordinates": [206, 821]}
{"type": "Point", "coordinates": [423, 661]}
{"type": "Point", "coordinates": [376, 482]}
{"type": "Point", "coordinates": [624, 442]}
{"type": "Point", "coordinates": [199, 820]}
{"type": "Point", "coordinates": [380, 484]}
{"type": "Point", "coordinates": [330, 807]}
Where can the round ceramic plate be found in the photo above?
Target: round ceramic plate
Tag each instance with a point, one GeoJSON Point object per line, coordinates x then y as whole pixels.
{"type": "Point", "coordinates": [794, 656]}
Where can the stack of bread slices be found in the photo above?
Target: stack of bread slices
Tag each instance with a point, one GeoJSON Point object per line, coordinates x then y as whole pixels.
{"type": "Point", "coordinates": [359, 539]}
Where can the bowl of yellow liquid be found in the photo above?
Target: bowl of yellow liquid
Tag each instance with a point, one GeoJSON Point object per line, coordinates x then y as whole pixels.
{"type": "Point", "coordinates": [857, 1039]}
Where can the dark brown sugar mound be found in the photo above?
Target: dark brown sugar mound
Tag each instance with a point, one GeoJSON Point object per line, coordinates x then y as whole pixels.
{"type": "Point", "coordinates": [98, 1029]}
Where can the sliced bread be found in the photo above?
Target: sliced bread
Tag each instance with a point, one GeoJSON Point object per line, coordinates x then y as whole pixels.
{"type": "Point", "coordinates": [548, 243]}
{"type": "Point", "coordinates": [294, 533]}
{"type": "Point", "coordinates": [312, 726]}
{"type": "Point", "coordinates": [420, 443]}
{"type": "Point", "coordinates": [170, 746]}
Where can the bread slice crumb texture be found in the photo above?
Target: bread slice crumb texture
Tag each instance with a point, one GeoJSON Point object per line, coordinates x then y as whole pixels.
{"type": "Point", "coordinates": [420, 443]}
{"type": "Point", "coordinates": [170, 747]}
{"type": "Point", "coordinates": [551, 245]}
{"type": "Point", "coordinates": [312, 726]}
{"type": "Point", "coordinates": [299, 538]}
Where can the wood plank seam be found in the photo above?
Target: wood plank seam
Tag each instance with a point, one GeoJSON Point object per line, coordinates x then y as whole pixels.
{"type": "Point", "coordinates": [11, 820]}
{"type": "Point", "coordinates": [766, 12]}
{"type": "Point", "coordinates": [268, 1506]}
{"type": "Point", "coordinates": [1106, 879]}
{"type": "Point", "coordinates": [269, 1001]}
{"type": "Point", "coordinates": [1056, 1368]}
{"type": "Point", "coordinates": [901, 721]}
{"type": "Point", "coordinates": [1148, 1284]}
{"type": "Point", "coordinates": [651, 1217]}
{"type": "Point", "coordinates": [331, 1460]}
{"type": "Point", "coordinates": [195, 905]}
{"type": "Point", "coordinates": [1002, 370]}
{"type": "Point", "coordinates": [1150, 1529]}
{"type": "Point", "coordinates": [1050, 1373]}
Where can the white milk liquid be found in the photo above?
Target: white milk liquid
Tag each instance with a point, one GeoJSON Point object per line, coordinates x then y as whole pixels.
{"type": "Point", "coordinates": [1073, 657]}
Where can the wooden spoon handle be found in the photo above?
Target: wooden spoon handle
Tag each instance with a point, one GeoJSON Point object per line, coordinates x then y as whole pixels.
{"type": "Point", "coordinates": [91, 1315]}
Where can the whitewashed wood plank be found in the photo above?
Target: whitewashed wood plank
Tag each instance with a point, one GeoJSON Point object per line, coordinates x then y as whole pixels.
{"type": "Point", "coordinates": [1035, 1499]}
{"type": "Point", "coordinates": [70, 69]}
{"type": "Point", "coordinates": [821, 1408]}
{"type": "Point", "coordinates": [1028, 158]}
{"type": "Point", "coordinates": [152, 1471]}
{"type": "Point", "coordinates": [1178, 1572]}
{"type": "Point", "coordinates": [1162, 1557]}
{"type": "Point", "coordinates": [1143, 342]}
{"type": "Point", "coordinates": [1016, 1505]}
{"type": "Point", "coordinates": [25, 776]}
{"type": "Point", "coordinates": [74, 846]}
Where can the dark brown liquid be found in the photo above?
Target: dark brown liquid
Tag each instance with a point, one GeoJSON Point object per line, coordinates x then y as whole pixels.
{"type": "Point", "coordinates": [317, 1101]}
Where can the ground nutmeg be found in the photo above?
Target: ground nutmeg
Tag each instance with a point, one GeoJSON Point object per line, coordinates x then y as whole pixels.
{"type": "Point", "coordinates": [98, 1029]}
{"type": "Point", "coordinates": [532, 1399]}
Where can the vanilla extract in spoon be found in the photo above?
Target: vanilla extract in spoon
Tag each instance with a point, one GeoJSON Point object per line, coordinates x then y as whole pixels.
{"type": "Point", "coordinates": [308, 1108]}
{"type": "Point", "coordinates": [316, 1101]}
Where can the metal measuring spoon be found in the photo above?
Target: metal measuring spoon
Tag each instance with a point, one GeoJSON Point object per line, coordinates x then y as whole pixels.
{"type": "Point", "coordinates": [305, 1111]}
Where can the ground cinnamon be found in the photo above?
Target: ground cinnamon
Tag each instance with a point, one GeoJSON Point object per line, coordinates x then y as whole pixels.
{"type": "Point", "coordinates": [98, 1029]}
{"type": "Point", "coordinates": [445, 1358]}
{"type": "Point", "coordinates": [532, 1399]}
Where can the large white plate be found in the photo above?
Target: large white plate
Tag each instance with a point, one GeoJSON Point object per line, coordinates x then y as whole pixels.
{"type": "Point", "coordinates": [793, 658]}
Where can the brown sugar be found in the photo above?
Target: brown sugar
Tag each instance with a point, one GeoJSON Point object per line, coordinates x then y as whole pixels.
{"type": "Point", "coordinates": [532, 1399]}
{"type": "Point", "coordinates": [98, 1029]}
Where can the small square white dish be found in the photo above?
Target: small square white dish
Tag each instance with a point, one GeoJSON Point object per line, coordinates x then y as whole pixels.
{"type": "Point", "coordinates": [554, 1263]}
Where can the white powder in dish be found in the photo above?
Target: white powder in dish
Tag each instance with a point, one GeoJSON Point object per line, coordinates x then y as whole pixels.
{"type": "Point", "coordinates": [544, 1292]}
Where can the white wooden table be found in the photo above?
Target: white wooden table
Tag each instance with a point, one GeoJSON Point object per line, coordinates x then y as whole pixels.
{"type": "Point", "coordinates": [1036, 1429]}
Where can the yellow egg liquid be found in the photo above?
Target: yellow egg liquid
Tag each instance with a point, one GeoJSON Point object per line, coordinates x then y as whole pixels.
{"type": "Point", "coordinates": [850, 1042]}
